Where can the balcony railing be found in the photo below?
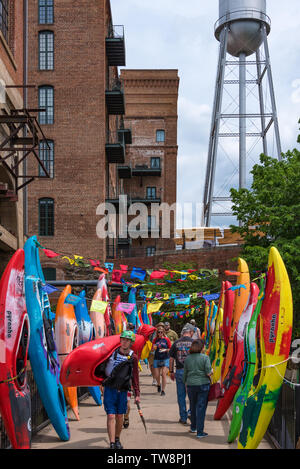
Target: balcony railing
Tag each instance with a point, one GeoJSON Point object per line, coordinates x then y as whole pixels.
{"type": "Point", "coordinates": [114, 98]}
{"type": "Point", "coordinates": [144, 170]}
{"type": "Point", "coordinates": [115, 46]}
{"type": "Point", "coordinates": [115, 147]}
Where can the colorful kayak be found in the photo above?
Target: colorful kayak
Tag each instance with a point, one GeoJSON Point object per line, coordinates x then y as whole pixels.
{"type": "Point", "coordinates": [212, 324]}
{"type": "Point", "coordinates": [84, 366]}
{"type": "Point", "coordinates": [117, 315]}
{"type": "Point", "coordinates": [218, 347]}
{"type": "Point", "coordinates": [249, 369]}
{"type": "Point", "coordinates": [15, 400]}
{"type": "Point", "coordinates": [240, 301]}
{"type": "Point", "coordinates": [96, 317]}
{"type": "Point", "coordinates": [102, 285]}
{"type": "Point", "coordinates": [233, 379]}
{"type": "Point", "coordinates": [86, 334]}
{"type": "Point", "coordinates": [42, 349]}
{"type": "Point", "coordinates": [66, 338]}
{"type": "Point", "coordinates": [276, 332]}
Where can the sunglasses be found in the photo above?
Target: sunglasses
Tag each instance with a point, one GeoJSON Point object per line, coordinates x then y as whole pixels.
{"type": "Point", "coordinates": [160, 332]}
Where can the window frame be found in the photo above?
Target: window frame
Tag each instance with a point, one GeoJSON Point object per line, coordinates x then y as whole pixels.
{"type": "Point", "coordinates": [160, 132]}
{"type": "Point", "coordinates": [49, 4]}
{"type": "Point", "coordinates": [48, 54]}
{"type": "Point", "coordinates": [46, 231]}
{"type": "Point", "coordinates": [155, 159]}
{"type": "Point", "coordinates": [48, 162]}
{"type": "Point", "coordinates": [46, 113]}
{"type": "Point", "coordinates": [149, 192]}
{"type": "Point", "coordinates": [150, 251]}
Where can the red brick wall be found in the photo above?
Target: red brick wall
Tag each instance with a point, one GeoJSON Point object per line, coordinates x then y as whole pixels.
{"type": "Point", "coordinates": [80, 121]}
{"type": "Point", "coordinates": [215, 258]}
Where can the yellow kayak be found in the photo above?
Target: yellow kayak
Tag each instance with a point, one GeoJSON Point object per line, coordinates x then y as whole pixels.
{"type": "Point", "coordinates": [276, 322]}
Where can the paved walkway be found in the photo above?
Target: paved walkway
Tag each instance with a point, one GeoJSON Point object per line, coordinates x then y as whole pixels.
{"type": "Point", "coordinates": [163, 429]}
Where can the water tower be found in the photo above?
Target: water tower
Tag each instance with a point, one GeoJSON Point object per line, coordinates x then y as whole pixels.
{"type": "Point", "coordinates": [244, 78]}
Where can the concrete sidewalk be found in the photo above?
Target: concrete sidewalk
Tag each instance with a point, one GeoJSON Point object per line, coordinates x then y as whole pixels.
{"type": "Point", "coordinates": [163, 429]}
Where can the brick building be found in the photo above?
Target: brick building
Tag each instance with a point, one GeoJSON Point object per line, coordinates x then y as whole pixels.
{"type": "Point", "coordinates": [73, 57]}
{"type": "Point", "coordinates": [11, 99]}
{"type": "Point", "coordinates": [148, 174]}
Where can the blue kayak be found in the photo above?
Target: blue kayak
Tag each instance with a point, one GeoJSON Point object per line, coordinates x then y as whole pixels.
{"type": "Point", "coordinates": [86, 333]}
{"type": "Point", "coordinates": [42, 349]}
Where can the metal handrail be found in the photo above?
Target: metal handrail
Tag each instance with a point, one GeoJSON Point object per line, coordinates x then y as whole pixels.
{"type": "Point", "coordinates": [247, 13]}
{"type": "Point", "coordinates": [115, 31]}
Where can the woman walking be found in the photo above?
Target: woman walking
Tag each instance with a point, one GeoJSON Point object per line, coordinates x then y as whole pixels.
{"type": "Point", "coordinates": [197, 370]}
{"type": "Point", "coordinates": [161, 346]}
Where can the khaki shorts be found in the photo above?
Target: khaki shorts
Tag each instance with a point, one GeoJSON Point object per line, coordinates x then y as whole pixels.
{"type": "Point", "coordinates": [151, 358]}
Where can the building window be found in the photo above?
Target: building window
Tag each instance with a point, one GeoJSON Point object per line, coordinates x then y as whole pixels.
{"type": "Point", "coordinates": [4, 18]}
{"type": "Point", "coordinates": [155, 163]}
{"type": "Point", "coordinates": [46, 50]}
{"type": "Point", "coordinates": [46, 101]}
{"type": "Point", "coordinates": [46, 15]}
{"type": "Point", "coordinates": [151, 193]}
{"type": "Point", "coordinates": [160, 135]}
{"type": "Point", "coordinates": [150, 250]}
{"type": "Point", "coordinates": [151, 222]}
{"type": "Point", "coordinates": [49, 273]}
{"type": "Point", "coordinates": [46, 217]}
{"type": "Point", "coordinates": [46, 155]}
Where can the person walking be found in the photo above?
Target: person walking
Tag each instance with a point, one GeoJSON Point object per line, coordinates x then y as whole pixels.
{"type": "Point", "coordinates": [197, 332]}
{"type": "Point", "coordinates": [129, 327]}
{"type": "Point", "coordinates": [122, 373]}
{"type": "Point", "coordinates": [178, 353]}
{"type": "Point", "coordinates": [161, 346]}
{"type": "Point", "coordinates": [196, 375]}
{"type": "Point", "coordinates": [172, 335]}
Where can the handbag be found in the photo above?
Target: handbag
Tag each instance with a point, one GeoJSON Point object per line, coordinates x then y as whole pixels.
{"type": "Point", "coordinates": [215, 392]}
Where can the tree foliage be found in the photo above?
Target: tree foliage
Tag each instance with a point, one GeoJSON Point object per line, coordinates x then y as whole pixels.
{"type": "Point", "coordinates": [269, 215]}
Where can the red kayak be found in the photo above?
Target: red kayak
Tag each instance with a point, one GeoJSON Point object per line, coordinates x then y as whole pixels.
{"type": "Point", "coordinates": [83, 366]}
{"type": "Point", "coordinates": [15, 400]}
{"type": "Point", "coordinates": [233, 378]}
{"type": "Point", "coordinates": [227, 318]}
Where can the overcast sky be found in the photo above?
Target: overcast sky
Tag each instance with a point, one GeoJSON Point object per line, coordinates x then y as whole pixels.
{"type": "Point", "coordinates": [173, 34]}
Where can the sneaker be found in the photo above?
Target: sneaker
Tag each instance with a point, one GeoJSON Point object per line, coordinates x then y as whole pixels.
{"type": "Point", "coordinates": [118, 444]}
{"type": "Point", "coordinates": [202, 435]}
{"type": "Point", "coordinates": [158, 388]}
{"type": "Point", "coordinates": [163, 393]}
{"type": "Point", "coordinates": [193, 431]}
{"type": "Point", "coordinates": [126, 423]}
{"type": "Point", "coordinates": [182, 422]}
{"type": "Point", "coordinates": [154, 382]}
{"type": "Point", "coordinates": [112, 446]}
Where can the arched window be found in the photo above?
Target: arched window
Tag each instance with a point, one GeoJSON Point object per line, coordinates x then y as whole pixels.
{"type": "Point", "coordinates": [46, 50]}
{"type": "Point", "coordinates": [46, 101]}
{"type": "Point", "coordinates": [46, 155]}
{"type": "Point", "coordinates": [160, 135]}
{"type": "Point", "coordinates": [46, 14]}
{"type": "Point", "coordinates": [46, 217]}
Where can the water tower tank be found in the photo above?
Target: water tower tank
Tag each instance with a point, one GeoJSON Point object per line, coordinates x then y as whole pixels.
{"type": "Point", "coordinates": [245, 18]}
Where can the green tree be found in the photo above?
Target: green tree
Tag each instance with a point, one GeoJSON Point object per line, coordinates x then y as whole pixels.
{"type": "Point", "coordinates": [269, 215]}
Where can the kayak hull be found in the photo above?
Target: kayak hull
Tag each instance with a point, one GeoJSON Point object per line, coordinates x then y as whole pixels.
{"type": "Point", "coordinates": [15, 399]}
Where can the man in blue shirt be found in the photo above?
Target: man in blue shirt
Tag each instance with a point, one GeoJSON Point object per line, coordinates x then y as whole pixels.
{"type": "Point", "coordinates": [178, 353]}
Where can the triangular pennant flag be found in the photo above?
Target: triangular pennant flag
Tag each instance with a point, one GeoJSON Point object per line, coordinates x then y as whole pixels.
{"type": "Point", "coordinates": [50, 253]}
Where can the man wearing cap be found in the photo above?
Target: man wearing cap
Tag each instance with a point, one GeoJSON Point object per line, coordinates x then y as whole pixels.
{"type": "Point", "coordinates": [172, 335]}
{"type": "Point", "coordinates": [122, 373]}
{"type": "Point", "coordinates": [178, 353]}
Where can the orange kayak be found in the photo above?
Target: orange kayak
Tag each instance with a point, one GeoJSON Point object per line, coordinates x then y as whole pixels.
{"type": "Point", "coordinates": [240, 302]}
{"type": "Point", "coordinates": [98, 318]}
{"type": "Point", "coordinates": [117, 315]}
{"type": "Point", "coordinates": [66, 338]}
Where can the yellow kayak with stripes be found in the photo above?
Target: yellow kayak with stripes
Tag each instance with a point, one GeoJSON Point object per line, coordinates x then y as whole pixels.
{"type": "Point", "coordinates": [276, 320]}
